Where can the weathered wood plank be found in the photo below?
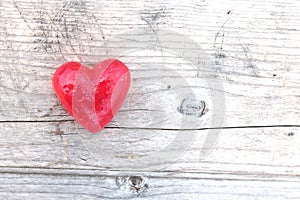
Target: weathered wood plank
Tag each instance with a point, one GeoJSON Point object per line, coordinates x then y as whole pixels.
{"type": "Point", "coordinates": [257, 151]}
{"type": "Point", "coordinates": [260, 84]}
{"type": "Point", "coordinates": [48, 185]}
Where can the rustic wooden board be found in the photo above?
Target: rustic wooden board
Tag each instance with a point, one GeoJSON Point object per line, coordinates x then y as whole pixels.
{"type": "Point", "coordinates": [176, 51]}
{"type": "Point", "coordinates": [48, 185]}
{"type": "Point", "coordinates": [248, 150]}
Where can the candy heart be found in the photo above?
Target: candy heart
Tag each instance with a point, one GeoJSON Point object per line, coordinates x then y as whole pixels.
{"type": "Point", "coordinates": [92, 96]}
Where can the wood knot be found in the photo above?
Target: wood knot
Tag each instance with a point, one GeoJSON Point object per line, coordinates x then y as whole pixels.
{"type": "Point", "coordinates": [192, 106]}
{"type": "Point", "coordinates": [135, 184]}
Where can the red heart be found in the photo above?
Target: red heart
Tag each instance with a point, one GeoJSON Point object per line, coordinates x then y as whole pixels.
{"type": "Point", "coordinates": [92, 96]}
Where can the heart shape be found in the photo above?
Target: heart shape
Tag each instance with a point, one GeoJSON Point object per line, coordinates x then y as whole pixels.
{"type": "Point", "coordinates": [92, 96]}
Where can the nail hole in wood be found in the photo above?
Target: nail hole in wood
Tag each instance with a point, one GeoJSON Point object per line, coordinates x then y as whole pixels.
{"type": "Point", "coordinates": [291, 134]}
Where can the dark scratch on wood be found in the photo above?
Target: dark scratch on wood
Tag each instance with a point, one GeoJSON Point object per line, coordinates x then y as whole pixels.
{"type": "Point", "coordinates": [219, 55]}
{"type": "Point", "coordinates": [250, 65]}
{"type": "Point", "coordinates": [153, 19]}
{"type": "Point", "coordinates": [21, 14]}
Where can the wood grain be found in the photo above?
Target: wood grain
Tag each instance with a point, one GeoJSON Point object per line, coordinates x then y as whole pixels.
{"type": "Point", "coordinates": [48, 185]}
{"type": "Point", "coordinates": [251, 48]}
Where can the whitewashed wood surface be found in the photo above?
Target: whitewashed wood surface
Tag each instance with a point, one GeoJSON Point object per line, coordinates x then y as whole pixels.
{"type": "Point", "coordinates": [254, 48]}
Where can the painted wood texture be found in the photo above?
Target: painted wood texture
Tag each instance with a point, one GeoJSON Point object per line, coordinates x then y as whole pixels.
{"type": "Point", "coordinates": [152, 148]}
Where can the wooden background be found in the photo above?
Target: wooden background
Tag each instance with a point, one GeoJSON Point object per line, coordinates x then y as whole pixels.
{"type": "Point", "coordinates": [255, 50]}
